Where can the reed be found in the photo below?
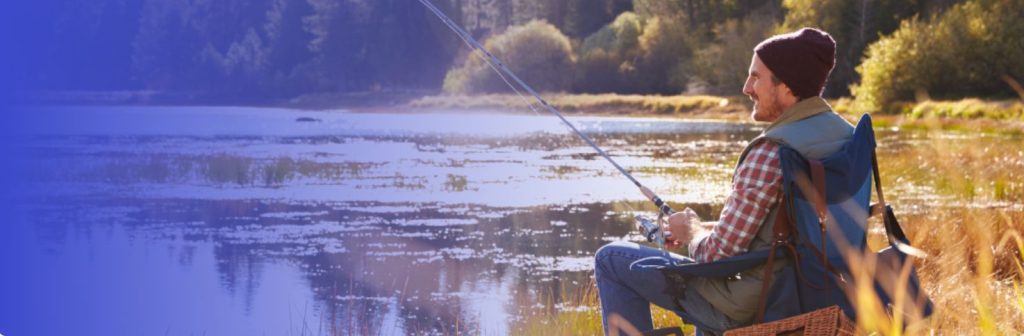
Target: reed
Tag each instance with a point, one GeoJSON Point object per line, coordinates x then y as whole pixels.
{"type": "Point", "coordinates": [960, 198]}
{"type": "Point", "coordinates": [581, 317]}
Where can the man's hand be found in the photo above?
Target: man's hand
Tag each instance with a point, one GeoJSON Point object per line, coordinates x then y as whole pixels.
{"type": "Point", "coordinates": [681, 228]}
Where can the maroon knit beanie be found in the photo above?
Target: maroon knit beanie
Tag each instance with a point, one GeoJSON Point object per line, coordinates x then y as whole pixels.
{"type": "Point", "coordinates": [802, 59]}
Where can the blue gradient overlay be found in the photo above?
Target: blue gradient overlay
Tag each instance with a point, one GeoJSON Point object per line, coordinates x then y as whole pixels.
{"type": "Point", "coordinates": [200, 216]}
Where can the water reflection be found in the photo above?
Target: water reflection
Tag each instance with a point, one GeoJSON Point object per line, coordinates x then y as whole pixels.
{"type": "Point", "coordinates": [357, 224]}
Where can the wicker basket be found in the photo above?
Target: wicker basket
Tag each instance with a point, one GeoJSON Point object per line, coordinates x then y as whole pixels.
{"type": "Point", "coordinates": [825, 321]}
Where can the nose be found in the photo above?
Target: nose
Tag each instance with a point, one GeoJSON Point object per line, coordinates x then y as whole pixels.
{"type": "Point", "coordinates": [748, 87]}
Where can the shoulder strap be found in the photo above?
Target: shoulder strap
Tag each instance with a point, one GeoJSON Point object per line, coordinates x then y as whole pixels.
{"type": "Point", "coordinates": [783, 230]}
{"type": "Point", "coordinates": [893, 230]}
{"type": "Point", "coordinates": [877, 207]}
{"type": "Point", "coordinates": [780, 233]}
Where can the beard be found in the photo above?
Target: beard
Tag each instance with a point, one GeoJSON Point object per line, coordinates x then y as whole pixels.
{"type": "Point", "coordinates": [766, 110]}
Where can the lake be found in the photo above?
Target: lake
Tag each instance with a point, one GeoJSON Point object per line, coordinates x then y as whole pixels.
{"type": "Point", "coordinates": [228, 220]}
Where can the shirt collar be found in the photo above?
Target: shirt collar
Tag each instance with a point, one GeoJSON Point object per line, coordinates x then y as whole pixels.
{"type": "Point", "coordinates": [801, 110]}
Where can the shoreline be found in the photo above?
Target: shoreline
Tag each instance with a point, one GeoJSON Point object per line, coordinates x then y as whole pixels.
{"type": "Point", "coordinates": [967, 115]}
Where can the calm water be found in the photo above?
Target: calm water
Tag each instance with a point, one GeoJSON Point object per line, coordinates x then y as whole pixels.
{"type": "Point", "coordinates": [149, 220]}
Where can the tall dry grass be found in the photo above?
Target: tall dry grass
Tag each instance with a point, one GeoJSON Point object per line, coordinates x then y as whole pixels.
{"type": "Point", "coordinates": [960, 198]}
{"type": "Point", "coordinates": [972, 272]}
{"type": "Point", "coordinates": [582, 316]}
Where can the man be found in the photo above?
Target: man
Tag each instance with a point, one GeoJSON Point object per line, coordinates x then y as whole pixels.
{"type": "Point", "coordinates": [786, 77]}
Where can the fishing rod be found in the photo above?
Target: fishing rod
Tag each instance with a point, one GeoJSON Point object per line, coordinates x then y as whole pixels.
{"type": "Point", "coordinates": [651, 230]}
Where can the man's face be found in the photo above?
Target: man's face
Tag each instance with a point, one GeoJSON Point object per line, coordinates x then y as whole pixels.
{"type": "Point", "coordinates": [766, 94]}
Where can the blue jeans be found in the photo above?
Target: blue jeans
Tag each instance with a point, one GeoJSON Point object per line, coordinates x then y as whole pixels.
{"type": "Point", "coordinates": [630, 293]}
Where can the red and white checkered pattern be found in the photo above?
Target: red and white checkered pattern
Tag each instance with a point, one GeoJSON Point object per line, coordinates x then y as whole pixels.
{"type": "Point", "coordinates": [756, 188]}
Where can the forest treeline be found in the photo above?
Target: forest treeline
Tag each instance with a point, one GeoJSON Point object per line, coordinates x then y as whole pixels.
{"type": "Point", "coordinates": [264, 50]}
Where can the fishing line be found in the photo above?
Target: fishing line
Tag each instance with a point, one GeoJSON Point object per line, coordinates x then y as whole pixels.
{"type": "Point", "coordinates": [483, 56]}
{"type": "Point", "coordinates": [498, 66]}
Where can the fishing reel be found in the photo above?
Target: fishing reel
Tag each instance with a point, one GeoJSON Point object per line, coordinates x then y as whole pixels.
{"type": "Point", "coordinates": [652, 229]}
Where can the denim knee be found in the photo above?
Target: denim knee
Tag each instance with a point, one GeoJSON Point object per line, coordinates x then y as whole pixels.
{"type": "Point", "coordinates": [603, 254]}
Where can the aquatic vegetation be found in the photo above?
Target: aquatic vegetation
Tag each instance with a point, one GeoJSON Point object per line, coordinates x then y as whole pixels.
{"type": "Point", "coordinates": [225, 168]}
{"type": "Point", "coordinates": [561, 172]}
{"type": "Point", "coordinates": [455, 183]}
{"type": "Point", "coordinates": [511, 217]}
{"type": "Point", "coordinates": [278, 171]}
{"type": "Point", "coordinates": [967, 169]}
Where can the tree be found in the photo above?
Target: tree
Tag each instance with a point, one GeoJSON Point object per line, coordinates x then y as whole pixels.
{"type": "Point", "coordinates": [633, 55]}
{"type": "Point", "coordinates": [288, 46]}
{"type": "Point", "coordinates": [537, 52]}
{"type": "Point", "coordinates": [967, 51]}
{"type": "Point", "coordinates": [339, 30]}
{"type": "Point", "coordinates": [585, 17]}
{"type": "Point", "coordinates": [208, 47]}
{"type": "Point", "coordinates": [722, 67]}
{"type": "Point", "coordinates": [853, 24]}
{"type": "Point", "coordinates": [163, 52]}
{"type": "Point", "coordinates": [608, 57]}
{"type": "Point", "coordinates": [100, 41]}
{"type": "Point", "coordinates": [665, 52]}
{"type": "Point", "coordinates": [406, 47]}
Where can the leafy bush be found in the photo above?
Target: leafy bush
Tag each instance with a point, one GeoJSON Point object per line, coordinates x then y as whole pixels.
{"type": "Point", "coordinates": [853, 24]}
{"type": "Point", "coordinates": [967, 51]}
{"type": "Point", "coordinates": [537, 52]}
{"type": "Point", "coordinates": [665, 51]}
{"type": "Point", "coordinates": [635, 55]}
{"type": "Point", "coordinates": [608, 55]}
{"type": "Point", "coordinates": [599, 71]}
{"type": "Point", "coordinates": [722, 66]}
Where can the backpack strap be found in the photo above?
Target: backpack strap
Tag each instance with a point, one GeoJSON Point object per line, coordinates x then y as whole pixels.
{"type": "Point", "coordinates": [781, 233]}
{"type": "Point", "coordinates": [893, 230]}
{"type": "Point", "coordinates": [821, 207]}
{"type": "Point", "coordinates": [879, 207]}
{"type": "Point", "coordinates": [818, 180]}
{"type": "Point", "coordinates": [783, 230]}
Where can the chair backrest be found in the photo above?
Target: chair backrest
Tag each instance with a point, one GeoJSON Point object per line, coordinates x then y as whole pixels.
{"type": "Point", "coordinates": [817, 278]}
{"type": "Point", "coordinates": [824, 247]}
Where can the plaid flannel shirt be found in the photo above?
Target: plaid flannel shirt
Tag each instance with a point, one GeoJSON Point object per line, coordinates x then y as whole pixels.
{"type": "Point", "coordinates": [756, 188]}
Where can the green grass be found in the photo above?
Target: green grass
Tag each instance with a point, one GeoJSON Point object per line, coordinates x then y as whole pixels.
{"type": "Point", "coordinates": [968, 109]}
{"type": "Point", "coordinates": [586, 321]}
{"type": "Point", "coordinates": [1005, 116]}
{"type": "Point", "coordinates": [596, 103]}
